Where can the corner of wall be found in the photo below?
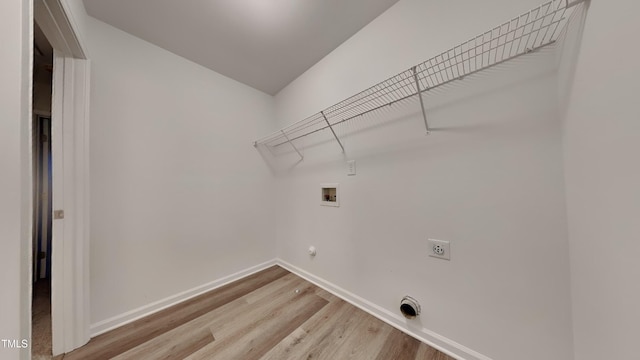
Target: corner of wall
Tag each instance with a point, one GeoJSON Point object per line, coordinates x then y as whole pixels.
{"type": "Point", "coordinates": [601, 142]}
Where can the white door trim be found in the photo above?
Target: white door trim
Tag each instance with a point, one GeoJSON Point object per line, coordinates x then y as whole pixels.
{"type": "Point", "coordinates": [70, 135]}
{"type": "Point", "coordinates": [52, 18]}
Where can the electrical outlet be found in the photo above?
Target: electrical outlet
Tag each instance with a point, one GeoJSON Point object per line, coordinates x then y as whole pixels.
{"type": "Point", "coordinates": [440, 249]}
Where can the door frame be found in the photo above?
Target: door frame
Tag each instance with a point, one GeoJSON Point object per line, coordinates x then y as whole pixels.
{"type": "Point", "coordinates": [70, 150]}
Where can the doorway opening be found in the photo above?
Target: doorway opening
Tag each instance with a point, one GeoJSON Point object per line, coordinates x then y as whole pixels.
{"type": "Point", "coordinates": [41, 333]}
{"type": "Point", "coordinates": [68, 107]}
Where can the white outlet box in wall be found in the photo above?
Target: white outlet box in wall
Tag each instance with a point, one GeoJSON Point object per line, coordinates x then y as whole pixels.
{"type": "Point", "coordinates": [330, 194]}
{"type": "Point", "coordinates": [440, 249]}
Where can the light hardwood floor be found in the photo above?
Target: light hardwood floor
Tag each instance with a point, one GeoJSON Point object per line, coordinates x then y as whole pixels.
{"type": "Point", "coordinates": [270, 315]}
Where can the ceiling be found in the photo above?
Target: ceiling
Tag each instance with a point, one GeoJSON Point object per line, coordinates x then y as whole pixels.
{"type": "Point", "coordinates": [265, 44]}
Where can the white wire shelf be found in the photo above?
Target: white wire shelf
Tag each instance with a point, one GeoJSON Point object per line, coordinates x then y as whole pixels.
{"type": "Point", "coordinates": [519, 36]}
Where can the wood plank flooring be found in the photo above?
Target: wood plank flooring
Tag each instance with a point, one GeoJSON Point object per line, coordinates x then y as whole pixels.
{"type": "Point", "coordinates": [270, 315]}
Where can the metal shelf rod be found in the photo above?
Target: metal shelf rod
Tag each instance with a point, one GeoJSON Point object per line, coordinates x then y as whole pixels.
{"type": "Point", "coordinates": [460, 77]}
{"type": "Point", "coordinates": [519, 36]}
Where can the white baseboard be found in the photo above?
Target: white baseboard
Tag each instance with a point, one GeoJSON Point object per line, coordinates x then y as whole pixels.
{"type": "Point", "coordinates": [133, 315]}
{"type": "Point", "coordinates": [425, 335]}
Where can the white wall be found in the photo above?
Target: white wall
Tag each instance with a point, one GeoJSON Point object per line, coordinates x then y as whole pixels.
{"type": "Point", "coordinates": [489, 179]}
{"type": "Point", "coordinates": [602, 144]}
{"type": "Point", "coordinates": [15, 178]}
{"type": "Point", "coordinates": [179, 197]}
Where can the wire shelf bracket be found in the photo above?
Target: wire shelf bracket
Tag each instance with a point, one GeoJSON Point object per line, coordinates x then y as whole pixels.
{"type": "Point", "coordinates": [293, 146]}
{"type": "Point", "coordinates": [424, 112]}
{"type": "Point", "coordinates": [529, 32]}
{"type": "Point", "coordinates": [332, 131]}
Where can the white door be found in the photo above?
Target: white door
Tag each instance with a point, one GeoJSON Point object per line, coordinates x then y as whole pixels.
{"type": "Point", "coordinates": [70, 228]}
{"type": "Point", "coordinates": [57, 226]}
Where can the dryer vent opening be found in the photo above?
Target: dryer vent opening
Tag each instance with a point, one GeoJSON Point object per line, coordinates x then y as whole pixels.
{"type": "Point", "coordinates": [409, 307]}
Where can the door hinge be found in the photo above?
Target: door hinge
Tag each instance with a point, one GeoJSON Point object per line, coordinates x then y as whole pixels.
{"type": "Point", "coordinates": [58, 214]}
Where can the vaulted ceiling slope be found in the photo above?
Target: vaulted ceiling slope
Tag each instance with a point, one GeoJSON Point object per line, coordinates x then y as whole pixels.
{"type": "Point", "coordinates": [265, 44]}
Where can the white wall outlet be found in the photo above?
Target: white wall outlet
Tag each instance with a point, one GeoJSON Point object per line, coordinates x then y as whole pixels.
{"type": "Point", "coordinates": [351, 167]}
{"type": "Point", "coordinates": [440, 249]}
